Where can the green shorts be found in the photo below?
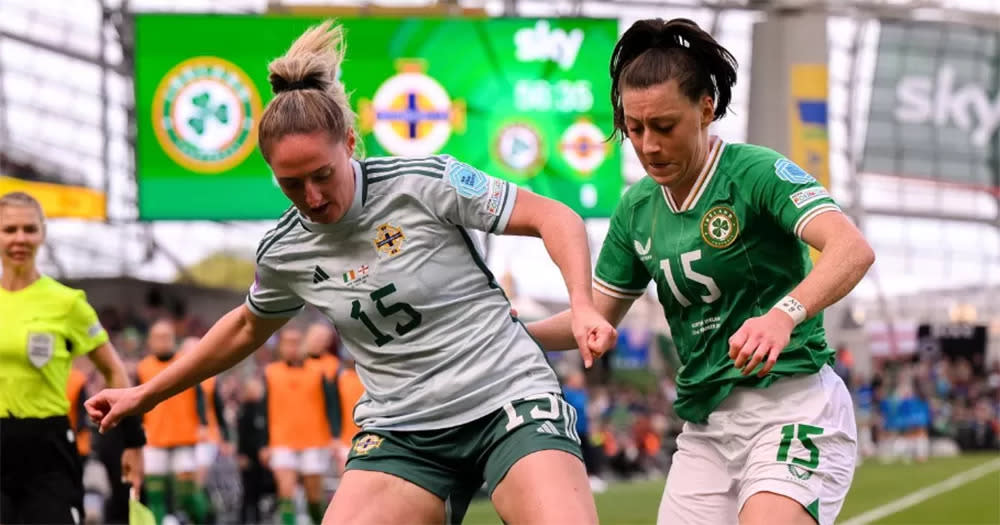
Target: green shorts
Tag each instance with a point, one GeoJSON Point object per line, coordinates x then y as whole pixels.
{"type": "Point", "coordinates": [455, 461]}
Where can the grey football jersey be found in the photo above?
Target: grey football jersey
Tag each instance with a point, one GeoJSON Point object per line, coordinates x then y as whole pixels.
{"type": "Point", "coordinates": [407, 289]}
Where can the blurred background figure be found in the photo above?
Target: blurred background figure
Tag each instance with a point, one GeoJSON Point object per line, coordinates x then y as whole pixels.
{"type": "Point", "coordinates": [302, 421]}
{"type": "Point", "coordinates": [251, 432]}
{"type": "Point", "coordinates": [173, 430]}
{"type": "Point", "coordinates": [320, 344]}
{"type": "Point", "coordinates": [575, 392]}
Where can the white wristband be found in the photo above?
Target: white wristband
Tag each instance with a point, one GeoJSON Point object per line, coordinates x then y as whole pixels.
{"type": "Point", "coordinates": [793, 308]}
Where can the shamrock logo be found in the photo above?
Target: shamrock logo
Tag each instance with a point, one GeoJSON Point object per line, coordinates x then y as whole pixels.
{"type": "Point", "coordinates": [207, 111]}
{"type": "Point", "coordinates": [720, 227]}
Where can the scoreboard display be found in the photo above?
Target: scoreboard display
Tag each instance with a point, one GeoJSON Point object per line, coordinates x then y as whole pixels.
{"type": "Point", "coordinates": [521, 99]}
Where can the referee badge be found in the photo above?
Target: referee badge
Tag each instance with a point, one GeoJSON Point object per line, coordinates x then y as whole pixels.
{"type": "Point", "coordinates": [41, 347]}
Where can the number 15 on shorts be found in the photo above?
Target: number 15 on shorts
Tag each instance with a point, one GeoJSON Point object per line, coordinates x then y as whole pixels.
{"type": "Point", "coordinates": [801, 432]}
{"type": "Point", "coordinates": [552, 414]}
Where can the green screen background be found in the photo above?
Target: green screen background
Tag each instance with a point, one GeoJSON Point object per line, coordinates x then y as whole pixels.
{"type": "Point", "coordinates": [473, 59]}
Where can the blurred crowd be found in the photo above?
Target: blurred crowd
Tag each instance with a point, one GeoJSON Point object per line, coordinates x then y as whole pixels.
{"type": "Point", "coordinates": [928, 404]}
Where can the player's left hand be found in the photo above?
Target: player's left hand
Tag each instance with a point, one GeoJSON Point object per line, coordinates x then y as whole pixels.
{"type": "Point", "coordinates": [132, 467]}
{"type": "Point", "coordinates": [761, 339]}
{"type": "Point", "coordinates": [593, 333]}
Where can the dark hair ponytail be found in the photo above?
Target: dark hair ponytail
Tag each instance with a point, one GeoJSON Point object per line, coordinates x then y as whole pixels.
{"type": "Point", "coordinates": [654, 51]}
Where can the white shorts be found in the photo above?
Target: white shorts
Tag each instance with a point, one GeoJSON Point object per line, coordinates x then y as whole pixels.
{"type": "Point", "coordinates": [205, 453]}
{"type": "Point", "coordinates": [796, 438]}
{"type": "Point", "coordinates": [306, 462]}
{"type": "Point", "coordinates": [163, 461]}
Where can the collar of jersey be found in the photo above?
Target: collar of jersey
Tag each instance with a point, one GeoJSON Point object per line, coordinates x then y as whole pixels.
{"type": "Point", "coordinates": [352, 214]}
{"type": "Point", "coordinates": [714, 154]}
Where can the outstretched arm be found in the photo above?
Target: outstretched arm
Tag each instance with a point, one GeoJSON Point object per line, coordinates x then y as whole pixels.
{"type": "Point", "coordinates": [556, 333]}
{"type": "Point", "coordinates": [565, 238]}
{"type": "Point", "coordinates": [228, 342]}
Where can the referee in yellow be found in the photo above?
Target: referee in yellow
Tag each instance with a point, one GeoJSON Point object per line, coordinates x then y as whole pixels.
{"type": "Point", "coordinates": [43, 326]}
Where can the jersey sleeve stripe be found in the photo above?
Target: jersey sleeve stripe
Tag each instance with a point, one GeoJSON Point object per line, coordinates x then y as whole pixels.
{"type": "Point", "coordinates": [390, 160]}
{"type": "Point", "coordinates": [405, 165]}
{"type": "Point", "coordinates": [800, 225]}
{"type": "Point", "coordinates": [364, 182]}
{"type": "Point", "coordinates": [612, 293]}
{"type": "Point", "coordinates": [274, 239]}
{"type": "Point", "coordinates": [398, 163]}
{"type": "Point", "coordinates": [618, 289]}
{"type": "Point", "coordinates": [386, 175]}
{"type": "Point", "coordinates": [503, 207]}
{"type": "Point", "coordinates": [478, 259]}
{"type": "Point", "coordinates": [285, 217]}
{"type": "Point", "coordinates": [260, 312]}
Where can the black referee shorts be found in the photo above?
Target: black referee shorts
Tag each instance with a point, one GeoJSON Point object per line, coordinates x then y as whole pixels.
{"type": "Point", "coordinates": [41, 475]}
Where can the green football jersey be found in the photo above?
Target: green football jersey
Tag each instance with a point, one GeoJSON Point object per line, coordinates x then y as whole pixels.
{"type": "Point", "coordinates": [725, 255]}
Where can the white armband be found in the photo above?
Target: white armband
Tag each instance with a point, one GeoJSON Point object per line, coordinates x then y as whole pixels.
{"type": "Point", "coordinates": [792, 307]}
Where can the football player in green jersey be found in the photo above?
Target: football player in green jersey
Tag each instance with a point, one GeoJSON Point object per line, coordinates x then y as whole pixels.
{"type": "Point", "coordinates": [455, 390]}
{"type": "Point", "coordinates": [724, 232]}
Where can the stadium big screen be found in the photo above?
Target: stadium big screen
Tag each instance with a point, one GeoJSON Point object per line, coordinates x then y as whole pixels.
{"type": "Point", "coordinates": [521, 99]}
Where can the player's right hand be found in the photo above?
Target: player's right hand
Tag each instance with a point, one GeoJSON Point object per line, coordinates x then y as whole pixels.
{"type": "Point", "coordinates": [591, 331]}
{"type": "Point", "coordinates": [602, 341]}
{"type": "Point", "coordinates": [109, 406]}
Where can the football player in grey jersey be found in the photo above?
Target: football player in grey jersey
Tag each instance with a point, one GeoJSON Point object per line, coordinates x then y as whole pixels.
{"type": "Point", "coordinates": [457, 392]}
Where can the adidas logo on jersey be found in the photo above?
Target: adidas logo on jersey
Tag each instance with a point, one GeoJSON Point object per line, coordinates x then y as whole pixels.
{"type": "Point", "coordinates": [319, 275]}
{"type": "Point", "coordinates": [548, 428]}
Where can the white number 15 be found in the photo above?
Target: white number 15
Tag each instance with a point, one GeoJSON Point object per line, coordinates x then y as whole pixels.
{"type": "Point", "coordinates": [708, 282]}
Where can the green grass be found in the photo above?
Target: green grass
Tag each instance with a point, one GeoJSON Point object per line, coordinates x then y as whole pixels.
{"type": "Point", "coordinates": [976, 502]}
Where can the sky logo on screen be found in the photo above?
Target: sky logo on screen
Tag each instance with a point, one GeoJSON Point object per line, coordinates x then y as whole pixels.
{"type": "Point", "coordinates": [941, 101]}
{"type": "Point", "coordinates": [544, 43]}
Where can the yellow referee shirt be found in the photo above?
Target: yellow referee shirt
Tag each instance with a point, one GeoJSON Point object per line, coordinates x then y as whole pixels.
{"type": "Point", "coordinates": [42, 328]}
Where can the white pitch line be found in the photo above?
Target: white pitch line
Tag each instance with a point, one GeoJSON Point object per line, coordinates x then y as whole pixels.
{"type": "Point", "coordinates": [924, 494]}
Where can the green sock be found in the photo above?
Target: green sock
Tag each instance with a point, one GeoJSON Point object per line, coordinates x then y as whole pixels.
{"type": "Point", "coordinates": [193, 500]}
{"type": "Point", "coordinates": [316, 510]}
{"type": "Point", "coordinates": [286, 508]}
{"type": "Point", "coordinates": [156, 496]}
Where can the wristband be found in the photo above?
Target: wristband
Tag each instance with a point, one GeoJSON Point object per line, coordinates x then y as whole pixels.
{"type": "Point", "coordinates": [793, 308]}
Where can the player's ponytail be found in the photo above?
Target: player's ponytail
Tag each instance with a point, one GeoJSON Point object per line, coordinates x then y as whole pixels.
{"type": "Point", "coordinates": [308, 95]}
{"type": "Point", "coordinates": [654, 51]}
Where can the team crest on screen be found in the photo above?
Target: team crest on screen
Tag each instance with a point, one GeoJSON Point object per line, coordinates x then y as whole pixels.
{"type": "Point", "coordinates": [205, 114]}
{"type": "Point", "coordinates": [519, 148]}
{"type": "Point", "coordinates": [583, 146]}
{"type": "Point", "coordinates": [367, 443]}
{"type": "Point", "coordinates": [388, 240]}
{"type": "Point", "coordinates": [720, 227]}
{"type": "Point", "coordinates": [411, 114]}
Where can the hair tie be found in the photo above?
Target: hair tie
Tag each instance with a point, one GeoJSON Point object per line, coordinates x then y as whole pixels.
{"type": "Point", "coordinates": [297, 85]}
